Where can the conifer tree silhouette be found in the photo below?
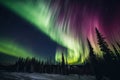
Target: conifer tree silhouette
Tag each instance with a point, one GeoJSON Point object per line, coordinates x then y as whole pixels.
{"type": "Point", "coordinates": [118, 47]}
{"type": "Point", "coordinates": [108, 63]}
{"type": "Point", "coordinates": [117, 55]}
{"type": "Point", "coordinates": [103, 46]}
{"type": "Point", "coordinates": [63, 64]}
{"type": "Point", "coordinates": [91, 52]}
{"type": "Point", "coordinates": [118, 44]}
{"type": "Point", "coordinates": [63, 60]}
{"type": "Point", "coordinates": [116, 61]}
{"type": "Point", "coordinates": [93, 62]}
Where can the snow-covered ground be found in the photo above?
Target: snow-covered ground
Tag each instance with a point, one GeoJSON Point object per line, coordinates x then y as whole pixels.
{"type": "Point", "coordinates": [37, 76]}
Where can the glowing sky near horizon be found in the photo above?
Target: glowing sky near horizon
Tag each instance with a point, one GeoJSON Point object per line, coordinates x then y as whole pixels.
{"type": "Point", "coordinates": [68, 23]}
{"type": "Point", "coordinates": [12, 48]}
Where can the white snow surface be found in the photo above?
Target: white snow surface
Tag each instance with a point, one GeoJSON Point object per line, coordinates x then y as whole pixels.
{"type": "Point", "coordinates": [38, 76]}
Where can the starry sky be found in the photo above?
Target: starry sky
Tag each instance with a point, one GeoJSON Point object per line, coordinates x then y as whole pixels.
{"type": "Point", "coordinates": [47, 28]}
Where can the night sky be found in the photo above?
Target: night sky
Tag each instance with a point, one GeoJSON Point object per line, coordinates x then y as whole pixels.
{"type": "Point", "coordinates": [20, 31]}
{"type": "Point", "coordinates": [47, 28]}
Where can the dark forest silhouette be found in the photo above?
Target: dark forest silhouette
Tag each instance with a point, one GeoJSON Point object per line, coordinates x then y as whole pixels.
{"type": "Point", "coordinates": [108, 65]}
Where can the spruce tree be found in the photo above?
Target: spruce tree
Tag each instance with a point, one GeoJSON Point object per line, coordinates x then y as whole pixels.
{"type": "Point", "coordinates": [94, 63]}
{"type": "Point", "coordinates": [91, 52]}
{"type": "Point", "coordinates": [63, 60]}
{"type": "Point", "coordinates": [103, 46]}
{"type": "Point", "coordinates": [63, 64]}
{"type": "Point", "coordinates": [118, 45]}
{"type": "Point", "coordinates": [117, 53]}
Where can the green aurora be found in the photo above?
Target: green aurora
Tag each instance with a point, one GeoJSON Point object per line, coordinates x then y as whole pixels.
{"type": "Point", "coordinates": [42, 16]}
{"type": "Point", "coordinates": [12, 48]}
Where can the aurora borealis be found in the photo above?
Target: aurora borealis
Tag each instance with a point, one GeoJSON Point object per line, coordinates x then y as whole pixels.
{"type": "Point", "coordinates": [68, 23]}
